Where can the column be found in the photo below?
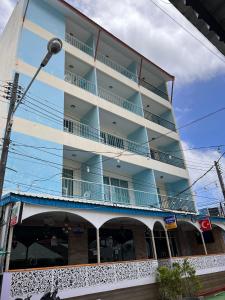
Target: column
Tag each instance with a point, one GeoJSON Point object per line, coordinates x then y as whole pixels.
{"type": "Point", "coordinates": [153, 245]}
{"type": "Point", "coordinates": [98, 246]}
{"type": "Point", "coordinates": [203, 243]}
{"type": "Point", "coordinates": [168, 243]}
{"type": "Point", "coordinates": [9, 246]}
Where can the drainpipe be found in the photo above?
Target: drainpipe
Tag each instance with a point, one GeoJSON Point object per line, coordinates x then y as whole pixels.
{"type": "Point", "coordinates": [98, 246]}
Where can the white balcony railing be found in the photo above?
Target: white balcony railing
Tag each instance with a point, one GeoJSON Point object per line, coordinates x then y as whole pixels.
{"type": "Point", "coordinates": [103, 193]}
{"type": "Point", "coordinates": [78, 44]}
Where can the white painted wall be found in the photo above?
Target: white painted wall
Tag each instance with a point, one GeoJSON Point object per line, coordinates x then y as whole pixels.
{"type": "Point", "coordinates": [8, 49]}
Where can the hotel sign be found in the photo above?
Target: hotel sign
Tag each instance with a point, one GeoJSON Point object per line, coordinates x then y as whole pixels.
{"type": "Point", "coordinates": [170, 222]}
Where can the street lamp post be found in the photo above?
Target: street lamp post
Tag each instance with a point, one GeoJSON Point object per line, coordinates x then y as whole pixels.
{"type": "Point", "coordinates": [54, 47]}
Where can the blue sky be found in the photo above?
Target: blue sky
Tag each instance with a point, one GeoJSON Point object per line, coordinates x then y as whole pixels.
{"type": "Point", "coordinates": [200, 74]}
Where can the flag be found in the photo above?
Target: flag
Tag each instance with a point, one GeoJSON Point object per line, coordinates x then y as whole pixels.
{"type": "Point", "coordinates": [205, 224]}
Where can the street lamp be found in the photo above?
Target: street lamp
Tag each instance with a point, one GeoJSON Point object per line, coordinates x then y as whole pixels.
{"type": "Point", "coordinates": [54, 47]}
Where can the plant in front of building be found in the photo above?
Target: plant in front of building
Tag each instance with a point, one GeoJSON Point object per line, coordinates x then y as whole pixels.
{"type": "Point", "coordinates": [177, 281]}
{"type": "Point", "coordinates": [170, 283]}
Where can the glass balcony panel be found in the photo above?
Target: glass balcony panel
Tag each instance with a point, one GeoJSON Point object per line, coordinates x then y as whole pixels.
{"type": "Point", "coordinates": [167, 158]}
{"type": "Point", "coordinates": [111, 194]}
{"type": "Point", "coordinates": [113, 98]}
{"type": "Point", "coordinates": [117, 67]}
{"type": "Point", "coordinates": [78, 44]}
{"type": "Point", "coordinates": [80, 82]}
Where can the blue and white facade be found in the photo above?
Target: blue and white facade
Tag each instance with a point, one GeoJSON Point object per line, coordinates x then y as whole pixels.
{"type": "Point", "coordinates": [94, 140]}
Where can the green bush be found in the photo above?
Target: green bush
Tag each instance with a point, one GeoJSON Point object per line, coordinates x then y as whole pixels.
{"type": "Point", "coordinates": [177, 281]}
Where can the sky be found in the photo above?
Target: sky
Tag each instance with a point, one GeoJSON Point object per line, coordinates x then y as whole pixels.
{"type": "Point", "coordinates": [151, 27]}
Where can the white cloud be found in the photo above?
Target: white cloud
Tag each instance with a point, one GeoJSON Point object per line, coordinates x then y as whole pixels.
{"type": "Point", "coordinates": [146, 28]}
{"type": "Point", "coordinates": [199, 161]}
{"type": "Point", "coordinates": [151, 32]}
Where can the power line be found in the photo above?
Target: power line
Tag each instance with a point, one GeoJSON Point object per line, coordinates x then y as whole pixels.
{"type": "Point", "coordinates": [189, 32]}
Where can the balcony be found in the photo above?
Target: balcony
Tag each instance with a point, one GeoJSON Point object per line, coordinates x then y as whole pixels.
{"type": "Point", "coordinates": [78, 44]}
{"type": "Point", "coordinates": [120, 101]}
{"type": "Point", "coordinates": [158, 91]}
{"type": "Point", "coordinates": [158, 120]}
{"type": "Point", "coordinates": [167, 158]}
{"type": "Point", "coordinates": [110, 194]}
{"type": "Point", "coordinates": [117, 67]}
{"type": "Point", "coordinates": [79, 81]}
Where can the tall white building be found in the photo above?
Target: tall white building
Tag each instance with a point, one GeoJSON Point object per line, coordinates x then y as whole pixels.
{"type": "Point", "coordinates": [95, 162]}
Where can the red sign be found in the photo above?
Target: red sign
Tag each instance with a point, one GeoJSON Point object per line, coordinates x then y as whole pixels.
{"type": "Point", "coordinates": [205, 225]}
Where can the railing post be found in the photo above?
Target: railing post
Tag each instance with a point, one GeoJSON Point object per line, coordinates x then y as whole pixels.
{"type": "Point", "coordinates": [203, 243]}
{"type": "Point", "coordinates": [98, 246]}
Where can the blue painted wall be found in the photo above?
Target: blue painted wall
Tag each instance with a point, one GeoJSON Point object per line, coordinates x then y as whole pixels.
{"type": "Point", "coordinates": [167, 116]}
{"type": "Point", "coordinates": [32, 50]}
{"type": "Point", "coordinates": [133, 68]}
{"type": "Point", "coordinates": [136, 99]}
{"type": "Point", "coordinates": [140, 136]}
{"type": "Point", "coordinates": [173, 149]}
{"type": "Point", "coordinates": [145, 181]}
{"type": "Point", "coordinates": [92, 119]}
{"type": "Point", "coordinates": [38, 176]}
{"type": "Point", "coordinates": [94, 175]}
{"type": "Point", "coordinates": [42, 108]}
{"type": "Point", "coordinates": [47, 17]}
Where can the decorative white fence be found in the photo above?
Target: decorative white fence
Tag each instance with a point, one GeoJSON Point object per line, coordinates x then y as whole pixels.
{"type": "Point", "coordinates": [78, 280]}
{"type": "Point", "coordinates": [203, 264]}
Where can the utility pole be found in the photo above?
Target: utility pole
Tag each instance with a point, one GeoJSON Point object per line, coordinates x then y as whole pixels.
{"type": "Point", "coordinates": [13, 97]}
{"type": "Point", "coordinates": [219, 173]}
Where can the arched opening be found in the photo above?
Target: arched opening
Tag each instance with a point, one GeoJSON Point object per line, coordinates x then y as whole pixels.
{"type": "Point", "coordinates": [159, 233]}
{"type": "Point", "coordinates": [52, 239]}
{"type": "Point", "coordinates": [124, 239]}
{"type": "Point", "coordinates": [215, 240]}
{"type": "Point", "coordinates": [185, 240]}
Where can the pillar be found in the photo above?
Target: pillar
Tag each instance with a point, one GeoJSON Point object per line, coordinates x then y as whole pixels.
{"type": "Point", "coordinates": [153, 245]}
{"type": "Point", "coordinates": [98, 246]}
{"type": "Point", "coordinates": [203, 243]}
{"type": "Point", "coordinates": [168, 243]}
{"type": "Point", "coordinates": [9, 246]}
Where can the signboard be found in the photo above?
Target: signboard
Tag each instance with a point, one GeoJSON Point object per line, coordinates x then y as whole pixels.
{"type": "Point", "coordinates": [15, 214]}
{"type": "Point", "coordinates": [171, 222]}
{"type": "Point", "coordinates": [205, 224]}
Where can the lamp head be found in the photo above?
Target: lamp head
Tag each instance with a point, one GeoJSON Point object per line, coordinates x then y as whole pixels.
{"type": "Point", "coordinates": [54, 46]}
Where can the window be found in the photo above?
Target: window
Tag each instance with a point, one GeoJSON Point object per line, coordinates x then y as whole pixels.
{"type": "Point", "coordinates": [67, 184]}
{"type": "Point", "coordinates": [118, 193]}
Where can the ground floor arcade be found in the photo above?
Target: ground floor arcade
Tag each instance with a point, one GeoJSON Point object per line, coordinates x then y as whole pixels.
{"type": "Point", "coordinates": [91, 248]}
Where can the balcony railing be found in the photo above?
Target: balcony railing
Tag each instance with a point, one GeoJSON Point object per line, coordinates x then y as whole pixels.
{"type": "Point", "coordinates": [123, 143]}
{"type": "Point", "coordinates": [110, 194]}
{"type": "Point", "coordinates": [167, 158]}
{"type": "Point", "coordinates": [154, 89]}
{"type": "Point", "coordinates": [78, 44]}
{"type": "Point", "coordinates": [158, 120]}
{"type": "Point", "coordinates": [80, 82]}
{"type": "Point", "coordinates": [122, 102]}
{"type": "Point", "coordinates": [81, 129]}
{"type": "Point", "coordinates": [117, 67]}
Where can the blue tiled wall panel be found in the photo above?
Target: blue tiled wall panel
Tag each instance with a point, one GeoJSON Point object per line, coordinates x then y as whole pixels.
{"type": "Point", "coordinates": [47, 102]}
{"type": "Point", "coordinates": [145, 181]}
{"type": "Point", "coordinates": [140, 136]}
{"type": "Point", "coordinates": [32, 50]}
{"type": "Point", "coordinates": [46, 16]}
{"type": "Point", "coordinates": [41, 175]}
